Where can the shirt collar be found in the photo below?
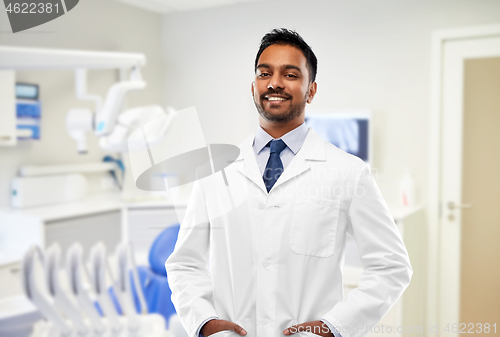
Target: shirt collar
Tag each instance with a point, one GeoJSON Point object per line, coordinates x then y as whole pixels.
{"type": "Point", "coordinates": [294, 139]}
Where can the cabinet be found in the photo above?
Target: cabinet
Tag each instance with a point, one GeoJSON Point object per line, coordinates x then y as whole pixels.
{"type": "Point", "coordinates": [7, 108]}
{"type": "Point", "coordinates": [104, 218]}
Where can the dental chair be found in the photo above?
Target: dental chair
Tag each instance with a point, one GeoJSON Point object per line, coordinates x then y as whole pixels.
{"type": "Point", "coordinates": [153, 278]}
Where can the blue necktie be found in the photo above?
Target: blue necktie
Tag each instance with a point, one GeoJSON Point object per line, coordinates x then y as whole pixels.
{"type": "Point", "coordinates": [274, 166]}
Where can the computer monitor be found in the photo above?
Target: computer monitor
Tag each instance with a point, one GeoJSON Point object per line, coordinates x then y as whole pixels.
{"type": "Point", "coordinates": [349, 130]}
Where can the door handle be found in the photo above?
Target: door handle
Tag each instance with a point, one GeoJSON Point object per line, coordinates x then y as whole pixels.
{"type": "Point", "coordinates": [452, 205]}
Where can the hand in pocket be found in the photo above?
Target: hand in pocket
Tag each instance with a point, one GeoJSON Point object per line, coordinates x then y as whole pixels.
{"type": "Point", "coordinates": [217, 325]}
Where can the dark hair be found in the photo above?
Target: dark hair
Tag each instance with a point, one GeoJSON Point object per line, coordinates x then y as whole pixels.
{"type": "Point", "coordinates": [283, 36]}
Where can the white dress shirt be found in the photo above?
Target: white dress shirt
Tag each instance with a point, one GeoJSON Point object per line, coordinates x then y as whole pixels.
{"type": "Point", "coordinates": [293, 140]}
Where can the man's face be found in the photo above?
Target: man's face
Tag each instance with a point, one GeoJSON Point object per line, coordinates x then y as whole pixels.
{"type": "Point", "coordinates": [281, 87]}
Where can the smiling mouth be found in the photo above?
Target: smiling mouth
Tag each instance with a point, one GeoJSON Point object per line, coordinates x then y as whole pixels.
{"type": "Point", "coordinates": [274, 99]}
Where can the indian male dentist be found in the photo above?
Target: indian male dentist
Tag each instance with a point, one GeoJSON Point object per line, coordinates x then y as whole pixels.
{"type": "Point", "coordinates": [276, 252]}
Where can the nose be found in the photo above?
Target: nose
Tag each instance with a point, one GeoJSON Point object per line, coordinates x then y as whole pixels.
{"type": "Point", "coordinates": [276, 82]}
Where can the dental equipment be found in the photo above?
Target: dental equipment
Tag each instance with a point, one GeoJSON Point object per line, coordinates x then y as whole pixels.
{"type": "Point", "coordinates": [81, 89]}
{"type": "Point", "coordinates": [131, 119]}
{"type": "Point", "coordinates": [75, 269]}
{"type": "Point", "coordinates": [37, 296]}
{"type": "Point", "coordinates": [81, 121]}
{"type": "Point", "coordinates": [105, 118]}
{"type": "Point", "coordinates": [64, 318]}
{"type": "Point", "coordinates": [26, 58]}
{"type": "Point", "coordinates": [62, 300]}
{"type": "Point", "coordinates": [126, 263]}
{"type": "Point", "coordinates": [99, 266]}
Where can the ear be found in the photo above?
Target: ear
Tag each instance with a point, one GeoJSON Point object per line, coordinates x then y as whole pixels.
{"type": "Point", "coordinates": [253, 87]}
{"type": "Point", "coordinates": [312, 91]}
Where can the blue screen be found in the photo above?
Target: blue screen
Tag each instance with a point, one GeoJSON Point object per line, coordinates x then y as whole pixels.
{"type": "Point", "coordinates": [348, 134]}
{"type": "Point", "coordinates": [26, 91]}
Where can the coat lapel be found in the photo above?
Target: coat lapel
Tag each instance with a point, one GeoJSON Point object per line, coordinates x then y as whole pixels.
{"type": "Point", "coordinates": [313, 149]}
{"type": "Point", "coordinates": [247, 163]}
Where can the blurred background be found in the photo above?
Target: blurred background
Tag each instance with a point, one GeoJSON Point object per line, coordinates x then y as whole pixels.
{"type": "Point", "coordinates": [417, 81]}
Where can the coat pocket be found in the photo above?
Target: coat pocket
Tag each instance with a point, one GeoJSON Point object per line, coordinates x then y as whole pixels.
{"type": "Point", "coordinates": [314, 226]}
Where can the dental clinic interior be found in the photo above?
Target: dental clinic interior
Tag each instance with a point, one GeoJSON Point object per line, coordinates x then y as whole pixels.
{"type": "Point", "coordinates": [92, 102]}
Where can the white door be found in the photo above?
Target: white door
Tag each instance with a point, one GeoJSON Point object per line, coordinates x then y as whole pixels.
{"type": "Point", "coordinates": [453, 203]}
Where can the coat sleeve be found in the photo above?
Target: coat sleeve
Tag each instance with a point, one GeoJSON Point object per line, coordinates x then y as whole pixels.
{"type": "Point", "coordinates": [187, 271]}
{"type": "Point", "coordinates": [387, 269]}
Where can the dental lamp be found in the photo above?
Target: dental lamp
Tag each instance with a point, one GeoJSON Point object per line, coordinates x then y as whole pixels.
{"type": "Point", "coordinates": [130, 120]}
{"type": "Point", "coordinates": [106, 118]}
{"type": "Point", "coordinates": [79, 122]}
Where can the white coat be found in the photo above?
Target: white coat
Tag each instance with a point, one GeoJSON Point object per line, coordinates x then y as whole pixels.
{"type": "Point", "coordinates": [275, 259]}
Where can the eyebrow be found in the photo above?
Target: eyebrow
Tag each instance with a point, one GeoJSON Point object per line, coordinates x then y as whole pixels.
{"type": "Point", "coordinates": [287, 66]}
{"type": "Point", "coordinates": [290, 66]}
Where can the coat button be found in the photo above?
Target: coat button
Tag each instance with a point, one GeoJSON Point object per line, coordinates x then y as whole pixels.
{"type": "Point", "coordinates": [266, 264]}
{"type": "Point", "coordinates": [265, 322]}
{"type": "Point", "coordinates": [262, 206]}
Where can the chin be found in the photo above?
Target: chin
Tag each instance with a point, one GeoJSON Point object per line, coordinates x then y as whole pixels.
{"type": "Point", "coordinates": [277, 118]}
{"type": "Point", "coordinates": [275, 113]}
{"type": "Point", "coordinates": [278, 115]}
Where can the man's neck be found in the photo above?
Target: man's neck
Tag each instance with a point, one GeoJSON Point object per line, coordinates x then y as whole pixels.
{"type": "Point", "coordinates": [276, 130]}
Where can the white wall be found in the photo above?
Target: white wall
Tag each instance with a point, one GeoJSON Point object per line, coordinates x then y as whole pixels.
{"type": "Point", "coordinates": [101, 25]}
{"type": "Point", "coordinates": [371, 54]}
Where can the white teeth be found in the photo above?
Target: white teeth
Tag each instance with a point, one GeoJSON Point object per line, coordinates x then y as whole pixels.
{"type": "Point", "coordinates": [276, 98]}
